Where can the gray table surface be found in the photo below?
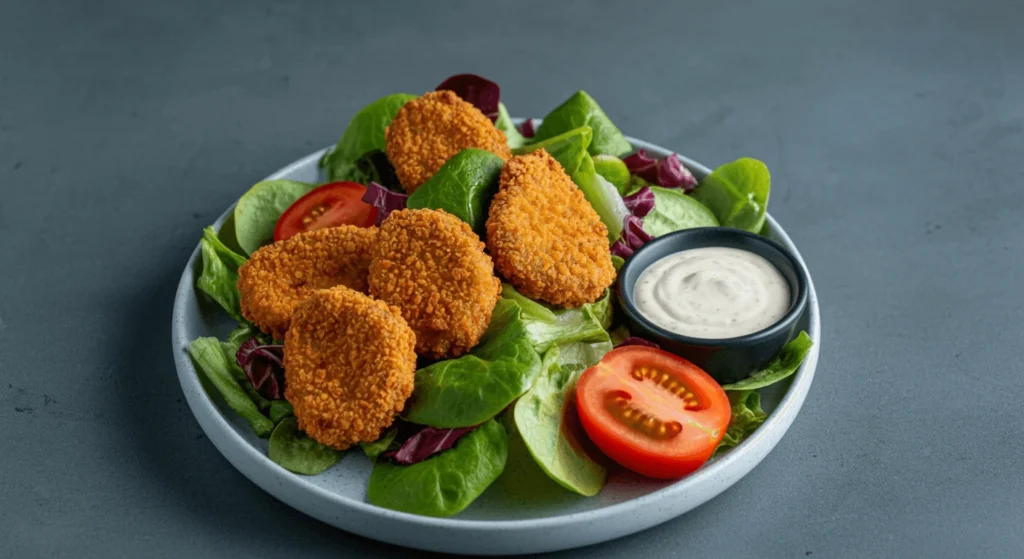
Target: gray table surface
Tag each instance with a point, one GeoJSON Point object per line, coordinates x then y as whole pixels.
{"type": "Point", "coordinates": [895, 136]}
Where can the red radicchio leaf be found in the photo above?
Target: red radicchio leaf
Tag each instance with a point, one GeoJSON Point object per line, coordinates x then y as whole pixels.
{"type": "Point", "coordinates": [672, 174]}
{"type": "Point", "coordinates": [633, 237]}
{"type": "Point", "coordinates": [633, 340]}
{"type": "Point", "coordinates": [641, 202]}
{"type": "Point", "coordinates": [386, 201]}
{"type": "Point", "coordinates": [264, 366]}
{"type": "Point", "coordinates": [476, 90]}
{"type": "Point", "coordinates": [667, 172]}
{"type": "Point", "coordinates": [527, 129]}
{"type": "Point", "coordinates": [426, 443]}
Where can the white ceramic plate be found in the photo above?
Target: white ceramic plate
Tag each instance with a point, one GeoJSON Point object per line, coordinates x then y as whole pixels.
{"type": "Point", "coordinates": [506, 519]}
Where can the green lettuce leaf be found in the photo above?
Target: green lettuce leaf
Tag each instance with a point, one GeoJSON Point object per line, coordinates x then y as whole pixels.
{"type": "Point", "coordinates": [471, 389]}
{"type": "Point", "coordinates": [737, 193]}
{"type": "Point", "coordinates": [532, 310]}
{"type": "Point", "coordinates": [614, 170]}
{"type": "Point", "coordinates": [258, 210]}
{"type": "Point", "coordinates": [747, 416]}
{"type": "Point", "coordinates": [568, 148]}
{"type": "Point", "coordinates": [463, 187]}
{"type": "Point", "coordinates": [365, 133]}
{"type": "Point", "coordinates": [210, 360]}
{"type": "Point", "coordinates": [562, 326]}
{"type": "Point", "coordinates": [219, 277]}
{"type": "Point", "coordinates": [504, 123]}
{"type": "Point", "coordinates": [674, 211]}
{"type": "Point", "coordinates": [294, 451]}
{"type": "Point", "coordinates": [546, 419]}
{"type": "Point", "coordinates": [446, 483]}
{"type": "Point", "coordinates": [781, 367]}
{"type": "Point", "coordinates": [582, 110]}
{"type": "Point", "coordinates": [603, 196]}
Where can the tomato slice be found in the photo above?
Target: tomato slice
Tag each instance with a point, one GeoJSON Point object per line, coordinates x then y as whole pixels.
{"type": "Point", "coordinates": [651, 411]}
{"type": "Point", "coordinates": [328, 205]}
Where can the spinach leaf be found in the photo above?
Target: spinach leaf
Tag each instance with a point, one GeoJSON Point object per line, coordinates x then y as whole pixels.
{"type": "Point", "coordinates": [365, 133]}
{"type": "Point", "coordinates": [582, 110]}
{"type": "Point", "coordinates": [674, 210]}
{"type": "Point", "coordinates": [737, 193]}
{"type": "Point", "coordinates": [582, 324]}
{"type": "Point", "coordinates": [781, 367]}
{"type": "Point", "coordinates": [444, 484]}
{"type": "Point", "coordinates": [210, 360]}
{"type": "Point", "coordinates": [504, 123]}
{"type": "Point", "coordinates": [546, 419]}
{"type": "Point", "coordinates": [280, 409]}
{"type": "Point", "coordinates": [220, 273]}
{"type": "Point", "coordinates": [603, 196]}
{"type": "Point", "coordinates": [385, 443]}
{"type": "Point", "coordinates": [258, 210]}
{"type": "Point", "coordinates": [377, 168]}
{"type": "Point", "coordinates": [613, 170]}
{"type": "Point", "coordinates": [294, 451]}
{"type": "Point", "coordinates": [568, 148]}
{"type": "Point", "coordinates": [618, 262]}
{"type": "Point", "coordinates": [747, 416]}
{"type": "Point", "coordinates": [471, 389]}
{"type": "Point", "coordinates": [463, 187]}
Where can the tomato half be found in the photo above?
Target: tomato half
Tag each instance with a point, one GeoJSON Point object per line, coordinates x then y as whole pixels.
{"type": "Point", "coordinates": [328, 205]}
{"type": "Point", "coordinates": [651, 411]}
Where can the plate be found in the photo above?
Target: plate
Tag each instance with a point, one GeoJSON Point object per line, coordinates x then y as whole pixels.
{"type": "Point", "coordinates": [506, 519]}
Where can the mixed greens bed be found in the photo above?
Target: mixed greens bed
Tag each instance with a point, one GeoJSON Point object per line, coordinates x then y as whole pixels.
{"type": "Point", "coordinates": [515, 390]}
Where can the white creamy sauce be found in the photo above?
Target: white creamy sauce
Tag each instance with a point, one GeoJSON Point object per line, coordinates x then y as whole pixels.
{"type": "Point", "coordinates": [712, 293]}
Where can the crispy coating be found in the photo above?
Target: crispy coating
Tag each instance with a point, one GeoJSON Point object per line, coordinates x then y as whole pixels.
{"type": "Point", "coordinates": [429, 130]}
{"type": "Point", "coordinates": [433, 267]}
{"type": "Point", "coordinates": [546, 239]}
{"type": "Point", "coordinates": [349, 365]}
{"type": "Point", "coordinates": [278, 276]}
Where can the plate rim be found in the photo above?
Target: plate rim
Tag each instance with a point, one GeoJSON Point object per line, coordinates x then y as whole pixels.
{"type": "Point", "coordinates": [210, 418]}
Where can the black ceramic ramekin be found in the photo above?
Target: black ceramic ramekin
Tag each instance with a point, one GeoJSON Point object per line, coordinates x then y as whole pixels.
{"type": "Point", "coordinates": [731, 359]}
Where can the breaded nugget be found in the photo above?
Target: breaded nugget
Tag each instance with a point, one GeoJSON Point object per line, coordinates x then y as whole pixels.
{"type": "Point", "coordinates": [433, 267]}
{"type": "Point", "coordinates": [546, 239]}
{"type": "Point", "coordinates": [278, 276]}
{"type": "Point", "coordinates": [429, 130]}
{"type": "Point", "coordinates": [349, 365]}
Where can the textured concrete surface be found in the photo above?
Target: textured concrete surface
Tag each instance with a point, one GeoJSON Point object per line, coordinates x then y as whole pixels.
{"type": "Point", "coordinates": [894, 133]}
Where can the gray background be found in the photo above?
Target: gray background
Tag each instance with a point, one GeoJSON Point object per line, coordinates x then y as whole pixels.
{"type": "Point", "coordinates": [895, 136]}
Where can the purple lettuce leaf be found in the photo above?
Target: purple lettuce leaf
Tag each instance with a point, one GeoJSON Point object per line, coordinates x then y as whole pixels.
{"type": "Point", "coordinates": [386, 201]}
{"type": "Point", "coordinates": [264, 366]}
{"type": "Point", "coordinates": [633, 340]}
{"type": "Point", "coordinates": [667, 172]}
{"type": "Point", "coordinates": [633, 237]}
{"type": "Point", "coordinates": [476, 90]}
{"type": "Point", "coordinates": [641, 202]}
{"type": "Point", "coordinates": [527, 129]}
{"type": "Point", "coordinates": [426, 443]}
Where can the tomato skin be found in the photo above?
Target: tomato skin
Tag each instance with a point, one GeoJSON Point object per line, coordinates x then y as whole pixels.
{"type": "Point", "coordinates": [700, 422]}
{"type": "Point", "coordinates": [328, 205]}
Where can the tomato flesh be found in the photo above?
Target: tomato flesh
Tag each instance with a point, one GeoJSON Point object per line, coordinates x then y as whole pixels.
{"type": "Point", "coordinates": [652, 411]}
{"type": "Point", "coordinates": [328, 205]}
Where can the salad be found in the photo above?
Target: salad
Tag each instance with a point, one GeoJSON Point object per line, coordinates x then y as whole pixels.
{"type": "Point", "coordinates": [447, 298]}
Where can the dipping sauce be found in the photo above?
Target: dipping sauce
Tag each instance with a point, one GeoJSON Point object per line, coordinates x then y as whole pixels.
{"type": "Point", "coordinates": [712, 293]}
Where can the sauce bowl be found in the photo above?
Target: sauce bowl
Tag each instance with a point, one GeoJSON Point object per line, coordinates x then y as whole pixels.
{"type": "Point", "coordinates": [729, 359]}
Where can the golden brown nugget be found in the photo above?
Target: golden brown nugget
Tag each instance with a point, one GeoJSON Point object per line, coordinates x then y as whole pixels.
{"type": "Point", "coordinates": [349, 365]}
{"type": "Point", "coordinates": [429, 130]}
{"type": "Point", "coordinates": [278, 276]}
{"type": "Point", "coordinates": [433, 267]}
{"type": "Point", "coordinates": [546, 239]}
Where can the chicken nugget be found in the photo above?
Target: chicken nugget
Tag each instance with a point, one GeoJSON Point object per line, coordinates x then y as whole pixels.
{"type": "Point", "coordinates": [433, 267]}
{"type": "Point", "coordinates": [349, 366]}
{"type": "Point", "coordinates": [278, 276]}
{"type": "Point", "coordinates": [429, 130]}
{"type": "Point", "coordinates": [546, 239]}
